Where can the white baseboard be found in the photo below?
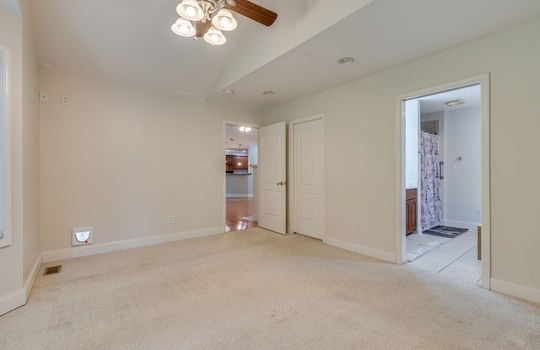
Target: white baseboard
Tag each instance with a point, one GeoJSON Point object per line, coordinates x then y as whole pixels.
{"type": "Point", "coordinates": [31, 278]}
{"type": "Point", "coordinates": [18, 298]}
{"type": "Point", "coordinates": [516, 290]}
{"type": "Point", "coordinates": [12, 301]}
{"type": "Point", "coordinates": [368, 251]}
{"type": "Point", "coordinates": [76, 252]}
{"type": "Point", "coordinates": [465, 224]}
{"type": "Point", "coordinates": [239, 195]}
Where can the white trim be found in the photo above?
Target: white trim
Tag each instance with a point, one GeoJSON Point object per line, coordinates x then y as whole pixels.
{"type": "Point", "coordinates": [12, 301]}
{"type": "Point", "coordinates": [516, 290]}
{"type": "Point", "coordinates": [18, 298]}
{"type": "Point", "coordinates": [484, 81]}
{"type": "Point", "coordinates": [367, 251]}
{"type": "Point", "coordinates": [76, 252]}
{"type": "Point", "coordinates": [6, 140]}
{"type": "Point", "coordinates": [241, 195]}
{"type": "Point", "coordinates": [31, 278]}
{"type": "Point", "coordinates": [291, 180]}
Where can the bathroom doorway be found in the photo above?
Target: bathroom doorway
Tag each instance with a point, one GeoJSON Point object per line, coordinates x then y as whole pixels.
{"type": "Point", "coordinates": [444, 194]}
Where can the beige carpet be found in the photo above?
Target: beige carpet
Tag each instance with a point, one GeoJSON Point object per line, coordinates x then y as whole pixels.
{"type": "Point", "coordinates": [260, 290]}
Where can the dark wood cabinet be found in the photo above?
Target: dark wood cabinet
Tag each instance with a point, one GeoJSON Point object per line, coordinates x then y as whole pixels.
{"type": "Point", "coordinates": [240, 162]}
{"type": "Point", "coordinates": [411, 211]}
{"type": "Point", "coordinates": [233, 163]}
{"type": "Point", "coordinates": [229, 164]}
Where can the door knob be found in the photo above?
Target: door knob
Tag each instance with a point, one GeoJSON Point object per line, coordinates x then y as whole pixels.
{"type": "Point", "coordinates": [282, 183]}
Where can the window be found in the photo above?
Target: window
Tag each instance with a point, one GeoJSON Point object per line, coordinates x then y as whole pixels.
{"type": "Point", "coordinates": [5, 232]}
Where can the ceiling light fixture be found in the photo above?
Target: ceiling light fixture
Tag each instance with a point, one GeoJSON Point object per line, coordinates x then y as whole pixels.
{"type": "Point", "coordinates": [244, 129]}
{"type": "Point", "coordinates": [346, 60]}
{"type": "Point", "coordinates": [208, 19]}
{"type": "Point", "coordinates": [204, 18]}
{"type": "Point", "coordinates": [455, 103]}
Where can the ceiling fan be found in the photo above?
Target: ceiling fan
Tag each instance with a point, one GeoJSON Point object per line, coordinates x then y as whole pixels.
{"type": "Point", "coordinates": [208, 19]}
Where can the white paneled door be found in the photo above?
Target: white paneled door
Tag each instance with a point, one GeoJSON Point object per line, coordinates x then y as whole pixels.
{"type": "Point", "coordinates": [272, 178]}
{"type": "Point", "coordinates": [308, 177]}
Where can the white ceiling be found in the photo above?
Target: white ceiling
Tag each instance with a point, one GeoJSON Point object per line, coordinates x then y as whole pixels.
{"type": "Point", "coordinates": [381, 36]}
{"type": "Point", "coordinates": [437, 103]}
{"type": "Point", "coordinates": [130, 42]}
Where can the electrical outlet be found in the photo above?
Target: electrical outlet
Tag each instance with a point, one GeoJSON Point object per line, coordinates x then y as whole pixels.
{"type": "Point", "coordinates": [170, 219]}
{"type": "Point", "coordinates": [43, 97]}
{"type": "Point", "coordinates": [358, 227]}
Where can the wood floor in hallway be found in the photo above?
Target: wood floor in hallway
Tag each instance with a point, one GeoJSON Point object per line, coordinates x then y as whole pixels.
{"type": "Point", "coordinates": [240, 212]}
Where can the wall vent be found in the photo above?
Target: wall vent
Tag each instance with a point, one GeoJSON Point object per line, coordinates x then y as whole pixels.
{"type": "Point", "coordinates": [52, 270]}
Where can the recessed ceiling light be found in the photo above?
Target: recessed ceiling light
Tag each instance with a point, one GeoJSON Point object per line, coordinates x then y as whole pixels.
{"type": "Point", "coordinates": [346, 60]}
{"type": "Point", "coordinates": [268, 92]}
{"type": "Point", "coordinates": [455, 103]}
{"type": "Point", "coordinates": [228, 92]}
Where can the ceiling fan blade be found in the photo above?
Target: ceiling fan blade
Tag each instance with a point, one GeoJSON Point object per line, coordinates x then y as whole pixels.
{"type": "Point", "coordinates": [202, 28]}
{"type": "Point", "coordinates": [255, 12]}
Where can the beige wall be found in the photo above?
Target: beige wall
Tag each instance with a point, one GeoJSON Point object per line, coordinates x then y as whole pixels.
{"type": "Point", "coordinates": [11, 257]}
{"type": "Point", "coordinates": [30, 147]}
{"type": "Point", "coordinates": [361, 146]}
{"type": "Point", "coordinates": [120, 160]}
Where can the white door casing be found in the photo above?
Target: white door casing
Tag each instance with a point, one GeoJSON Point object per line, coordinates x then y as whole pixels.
{"type": "Point", "coordinates": [308, 157]}
{"type": "Point", "coordinates": [272, 178]}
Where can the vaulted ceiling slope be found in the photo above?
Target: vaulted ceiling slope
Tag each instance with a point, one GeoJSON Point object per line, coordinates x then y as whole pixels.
{"type": "Point", "coordinates": [381, 36]}
{"type": "Point", "coordinates": [130, 42]}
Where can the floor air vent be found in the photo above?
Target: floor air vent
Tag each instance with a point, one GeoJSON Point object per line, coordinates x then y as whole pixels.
{"type": "Point", "coordinates": [52, 270]}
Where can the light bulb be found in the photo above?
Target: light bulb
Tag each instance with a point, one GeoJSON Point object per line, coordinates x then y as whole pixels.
{"type": "Point", "coordinates": [183, 27]}
{"type": "Point", "coordinates": [242, 129]}
{"type": "Point", "coordinates": [214, 36]}
{"type": "Point", "coordinates": [248, 129]}
{"type": "Point", "coordinates": [191, 12]}
{"type": "Point", "coordinates": [224, 20]}
{"type": "Point", "coordinates": [190, 9]}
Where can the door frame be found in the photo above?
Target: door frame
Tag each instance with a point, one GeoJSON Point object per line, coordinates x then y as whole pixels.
{"type": "Point", "coordinates": [223, 168]}
{"type": "Point", "coordinates": [291, 173]}
{"type": "Point", "coordinates": [484, 81]}
{"type": "Point", "coordinates": [6, 139]}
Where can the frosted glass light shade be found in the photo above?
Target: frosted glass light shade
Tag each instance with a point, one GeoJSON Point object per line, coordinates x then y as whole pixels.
{"type": "Point", "coordinates": [214, 36]}
{"type": "Point", "coordinates": [224, 20]}
{"type": "Point", "coordinates": [184, 28]}
{"type": "Point", "coordinates": [190, 10]}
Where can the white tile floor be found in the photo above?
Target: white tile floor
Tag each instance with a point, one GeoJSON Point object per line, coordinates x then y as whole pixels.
{"type": "Point", "coordinates": [455, 259]}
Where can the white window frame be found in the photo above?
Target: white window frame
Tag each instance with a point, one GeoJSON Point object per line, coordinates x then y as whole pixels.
{"type": "Point", "coordinates": [5, 137]}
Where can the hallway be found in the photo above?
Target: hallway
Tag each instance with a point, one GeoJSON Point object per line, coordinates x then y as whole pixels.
{"type": "Point", "coordinates": [240, 213]}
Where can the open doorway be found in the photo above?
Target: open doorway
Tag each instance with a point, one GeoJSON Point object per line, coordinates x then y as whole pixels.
{"type": "Point", "coordinates": [443, 182]}
{"type": "Point", "coordinates": [241, 153]}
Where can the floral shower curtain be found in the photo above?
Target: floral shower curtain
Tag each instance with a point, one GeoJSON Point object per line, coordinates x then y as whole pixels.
{"type": "Point", "coordinates": [430, 181]}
